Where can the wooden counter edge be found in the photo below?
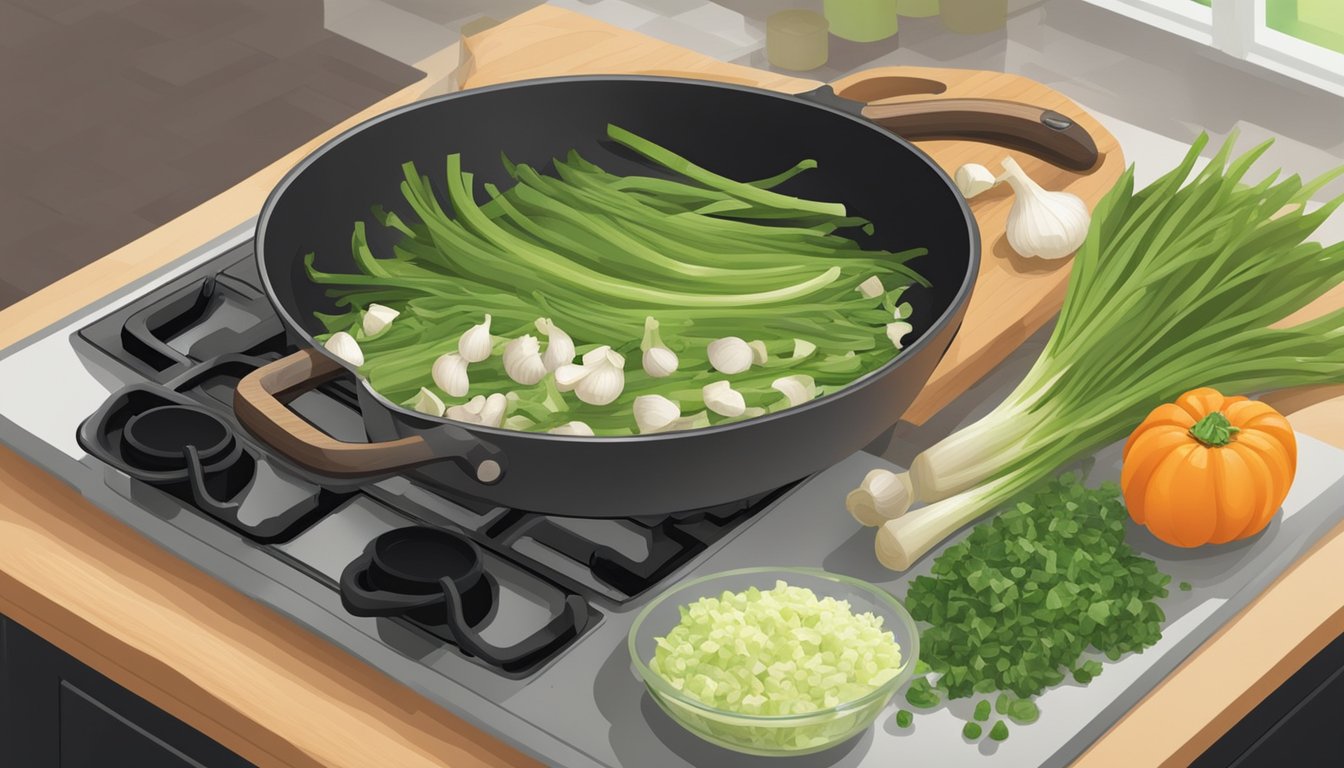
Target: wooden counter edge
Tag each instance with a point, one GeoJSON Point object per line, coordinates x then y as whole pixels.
{"type": "Point", "coordinates": [1213, 689]}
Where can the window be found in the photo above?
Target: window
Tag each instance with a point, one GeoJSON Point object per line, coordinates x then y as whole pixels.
{"type": "Point", "coordinates": [1303, 39]}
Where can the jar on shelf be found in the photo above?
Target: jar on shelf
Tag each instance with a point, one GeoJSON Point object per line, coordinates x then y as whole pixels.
{"type": "Point", "coordinates": [917, 9]}
{"type": "Point", "coordinates": [862, 21]}
{"type": "Point", "coordinates": [796, 40]}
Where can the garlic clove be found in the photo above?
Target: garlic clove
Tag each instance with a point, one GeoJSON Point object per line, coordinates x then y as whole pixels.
{"type": "Point", "coordinates": [758, 352]}
{"type": "Point", "coordinates": [974, 178]}
{"type": "Point", "coordinates": [798, 388]}
{"type": "Point", "coordinates": [344, 346]}
{"type": "Point", "coordinates": [871, 288]}
{"type": "Point", "coordinates": [729, 355]}
{"type": "Point", "coordinates": [721, 398]}
{"type": "Point", "coordinates": [577, 428]}
{"type": "Point", "coordinates": [559, 346]}
{"type": "Point", "coordinates": [605, 379]}
{"type": "Point", "coordinates": [803, 348]}
{"type": "Point", "coordinates": [492, 411]}
{"type": "Point", "coordinates": [427, 402]}
{"type": "Point", "coordinates": [1047, 225]}
{"type": "Point", "coordinates": [450, 374]}
{"type": "Point", "coordinates": [522, 360]}
{"type": "Point", "coordinates": [897, 332]}
{"type": "Point", "coordinates": [660, 362]}
{"type": "Point", "coordinates": [377, 318]}
{"type": "Point", "coordinates": [654, 413]}
{"type": "Point", "coordinates": [474, 345]}
{"type": "Point", "coordinates": [566, 376]}
{"type": "Point", "coordinates": [469, 412]}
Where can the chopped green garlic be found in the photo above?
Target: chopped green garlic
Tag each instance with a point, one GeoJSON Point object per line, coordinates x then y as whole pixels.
{"type": "Point", "coordinates": [776, 652]}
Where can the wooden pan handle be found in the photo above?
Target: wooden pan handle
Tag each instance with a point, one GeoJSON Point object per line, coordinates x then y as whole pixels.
{"type": "Point", "coordinates": [260, 400]}
{"type": "Point", "coordinates": [1044, 133]}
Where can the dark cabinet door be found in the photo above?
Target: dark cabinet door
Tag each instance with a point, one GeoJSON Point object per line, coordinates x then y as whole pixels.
{"type": "Point", "coordinates": [1296, 726]}
{"type": "Point", "coordinates": [56, 712]}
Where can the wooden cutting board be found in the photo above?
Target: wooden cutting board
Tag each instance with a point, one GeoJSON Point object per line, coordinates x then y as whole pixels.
{"type": "Point", "coordinates": [1013, 296]}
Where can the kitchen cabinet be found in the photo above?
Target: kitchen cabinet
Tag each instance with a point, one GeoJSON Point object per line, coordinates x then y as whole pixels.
{"type": "Point", "coordinates": [1297, 724]}
{"type": "Point", "coordinates": [54, 711]}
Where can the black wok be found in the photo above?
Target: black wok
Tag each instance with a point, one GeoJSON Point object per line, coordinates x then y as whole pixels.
{"type": "Point", "coordinates": [739, 132]}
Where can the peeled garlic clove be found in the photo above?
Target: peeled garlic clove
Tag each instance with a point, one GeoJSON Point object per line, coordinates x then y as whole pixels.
{"type": "Point", "coordinates": [376, 319]}
{"type": "Point", "coordinates": [559, 346]}
{"type": "Point", "coordinates": [566, 376]}
{"type": "Point", "coordinates": [797, 388]}
{"type": "Point", "coordinates": [973, 178]}
{"type": "Point", "coordinates": [450, 374]}
{"type": "Point", "coordinates": [721, 398]}
{"type": "Point", "coordinates": [729, 355]}
{"type": "Point", "coordinates": [758, 352]}
{"type": "Point", "coordinates": [654, 413]}
{"type": "Point", "coordinates": [522, 360]}
{"type": "Point", "coordinates": [474, 345]}
{"type": "Point", "coordinates": [605, 379]}
{"type": "Point", "coordinates": [344, 346]}
{"type": "Point", "coordinates": [1048, 225]}
{"type": "Point", "coordinates": [492, 411]}
{"type": "Point", "coordinates": [871, 288]}
{"type": "Point", "coordinates": [659, 361]}
{"type": "Point", "coordinates": [577, 428]}
{"type": "Point", "coordinates": [897, 331]}
{"type": "Point", "coordinates": [427, 402]}
{"type": "Point", "coordinates": [803, 348]}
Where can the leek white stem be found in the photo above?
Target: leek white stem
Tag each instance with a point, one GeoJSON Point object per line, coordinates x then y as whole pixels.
{"type": "Point", "coordinates": [905, 539]}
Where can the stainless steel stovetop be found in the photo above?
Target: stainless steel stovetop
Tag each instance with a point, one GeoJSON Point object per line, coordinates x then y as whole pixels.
{"type": "Point", "coordinates": [179, 341]}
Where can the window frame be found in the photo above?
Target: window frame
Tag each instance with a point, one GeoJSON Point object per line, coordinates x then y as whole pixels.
{"type": "Point", "coordinates": [1238, 28]}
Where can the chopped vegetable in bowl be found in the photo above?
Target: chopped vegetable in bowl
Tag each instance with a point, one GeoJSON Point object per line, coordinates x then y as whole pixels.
{"type": "Point", "coordinates": [774, 661]}
{"type": "Point", "coordinates": [597, 304]}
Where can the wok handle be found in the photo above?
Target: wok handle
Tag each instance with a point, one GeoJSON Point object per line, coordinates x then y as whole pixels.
{"type": "Point", "coordinates": [1044, 133]}
{"type": "Point", "coordinates": [259, 403]}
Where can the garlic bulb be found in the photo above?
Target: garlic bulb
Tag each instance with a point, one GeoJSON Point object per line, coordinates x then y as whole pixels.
{"type": "Point", "coordinates": [797, 388]}
{"type": "Point", "coordinates": [897, 331]}
{"type": "Point", "coordinates": [377, 318]}
{"type": "Point", "coordinates": [599, 381]}
{"type": "Point", "coordinates": [729, 355]}
{"type": "Point", "coordinates": [871, 288]}
{"type": "Point", "coordinates": [721, 398]}
{"type": "Point", "coordinates": [974, 178]}
{"type": "Point", "coordinates": [344, 346]}
{"type": "Point", "coordinates": [427, 402]}
{"type": "Point", "coordinates": [758, 352]}
{"type": "Point", "coordinates": [1049, 225]}
{"type": "Point", "coordinates": [577, 428]}
{"type": "Point", "coordinates": [559, 346]}
{"type": "Point", "coordinates": [450, 374]}
{"type": "Point", "coordinates": [522, 360]}
{"type": "Point", "coordinates": [654, 413]}
{"type": "Point", "coordinates": [475, 344]}
{"type": "Point", "coordinates": [803, 348]}
{"type": "Point", "coordinates": [659, 361]}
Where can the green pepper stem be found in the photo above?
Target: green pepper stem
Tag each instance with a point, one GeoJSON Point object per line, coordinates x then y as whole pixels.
{"type": "Point", "coordinates": [1214, 430]}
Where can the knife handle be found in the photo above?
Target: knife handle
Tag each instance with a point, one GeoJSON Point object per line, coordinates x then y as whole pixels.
{"type": "Point", "coordinates": [1041, 132]}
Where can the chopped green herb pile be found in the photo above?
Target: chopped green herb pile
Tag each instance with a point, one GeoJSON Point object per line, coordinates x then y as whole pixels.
{"type": "Point", "coordinates": [1023, 711]}
{"type": "Point", "coordinates": [1015, 605]}
{"type": "Point", "coordinates": [705, 257]}
{"type": "Point", "coordinates": [921, 694]}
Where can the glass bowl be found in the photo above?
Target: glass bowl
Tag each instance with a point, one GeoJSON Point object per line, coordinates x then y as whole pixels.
{"type": "Point", "coordinates": [772, 734]}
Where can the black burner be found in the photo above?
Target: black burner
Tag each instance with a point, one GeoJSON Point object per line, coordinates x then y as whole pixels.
{"type": "Point", "coordinates": [164, 438]}
{"type": "Point", "coordinates": [434, 577]}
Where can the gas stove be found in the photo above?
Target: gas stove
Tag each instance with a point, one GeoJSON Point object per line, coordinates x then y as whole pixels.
{"type": "Point", "coordinates": [519, 633]}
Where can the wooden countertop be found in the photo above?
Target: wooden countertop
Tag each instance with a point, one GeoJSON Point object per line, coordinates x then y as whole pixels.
{"type": "Point", "coordinates": [279, 696]}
